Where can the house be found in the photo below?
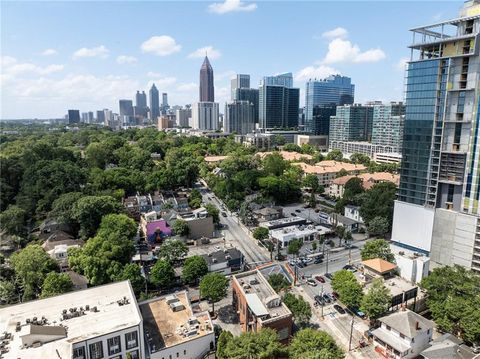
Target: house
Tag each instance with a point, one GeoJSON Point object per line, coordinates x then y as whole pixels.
{"type": "Point", "coordinates": [337, 185]}
{"type": "Point", "coordinates": [259, 306]}
{"type": "Point", "coordinates": [378, 268]}
{"type": "Point", "coordinates": [287, 155]}
{"type": "Point", "coordinates": [49, 227]}
{"type": "Point", "coordinates": [404, 334]}
{"type": "Point", "coordinates": [326, 171]}
{"type": "Point", "coordinates": [58, 249]}
{"type": "Point", "coordinates": [268, 213]}
{"type": "Point", "coordinates": [283, 236]}
{"type": "Point", "coordinates": [448, 346]}
{"type": "Point", "coordinates": [349, 224]}
{"type": "Point", "coordinates": [225, 261]}
{"type": "Point", "coordinates": [154, 230]}
{"type": "Point", "coordinates": [353, 212]}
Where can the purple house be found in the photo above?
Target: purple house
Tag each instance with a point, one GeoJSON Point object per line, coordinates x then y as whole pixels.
{"type": "Point", "coordinates": [157, 231]}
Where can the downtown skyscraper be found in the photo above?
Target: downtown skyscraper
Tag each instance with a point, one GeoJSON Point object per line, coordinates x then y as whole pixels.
{"type": "Point", "coordinates": [207, 92]}
{"type": "Point", "coordinates": [437, 211]}
{"type": "Point", "coordinates": [154, 98]}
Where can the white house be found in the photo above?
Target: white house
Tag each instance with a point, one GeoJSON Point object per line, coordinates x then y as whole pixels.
{"type": "Point", "coordinates": [353, 212]}
{"type": "Point", "coordinates": [404, 334]}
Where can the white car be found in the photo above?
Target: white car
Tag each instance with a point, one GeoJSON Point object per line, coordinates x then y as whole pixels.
{"type": "Point", "coordinates": [311, 281]}
{"type": "Point", "coordinates": [217, 248]}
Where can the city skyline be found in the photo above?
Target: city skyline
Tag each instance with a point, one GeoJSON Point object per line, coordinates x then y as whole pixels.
{"type": "Point", "coordinates": [89, 70]}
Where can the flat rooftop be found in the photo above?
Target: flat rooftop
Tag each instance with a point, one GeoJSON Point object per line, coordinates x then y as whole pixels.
{"type": "Point", "coordinates": [295, 231]}
{"type": "Point", "coordinates": [396, 285]}
{"type": "Point", "coordinates": [109, 317]}
{"type": "Point", "coordinates": [165, 327]}
{"type": "Point", "coordinates": [258, 293]}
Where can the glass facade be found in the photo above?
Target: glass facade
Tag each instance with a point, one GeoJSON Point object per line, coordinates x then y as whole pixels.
{"type": "Point", "coordinates": [351, 123]}
{"type": "Point", "coordinates": [388, 122]}
{"type": "Point", "coordinates": [250, 95]}
{"type": "Point", "coordinates": [278, 106]}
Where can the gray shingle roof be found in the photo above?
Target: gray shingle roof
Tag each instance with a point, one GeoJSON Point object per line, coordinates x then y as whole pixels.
{"type": "Point", "coordinates": [406, 321]}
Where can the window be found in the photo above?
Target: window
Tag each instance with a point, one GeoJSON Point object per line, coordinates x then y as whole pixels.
{"type": "Point", "coordinates": [96, 350]}
{"type": "Point", "coordinates": [131, 339]}
{"type": "Point", "coordinates": [402, 336]}
{"type": "Point", "coordinates": [134, 354]}
{"type": "Point", "coordinates": [388, 327]}
{"type": "Point", "coordinates": [79, 353]}
{"type": "Point", "coordinates": [114, 345]}
{"type": "Point", "coordinates": [178, 354]}
{"type": "Point", "coordinates": [185, 352]}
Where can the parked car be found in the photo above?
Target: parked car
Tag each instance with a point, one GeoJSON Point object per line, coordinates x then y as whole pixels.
{"type": "Point", "coordinates": [300, 264]}
{"type": "Point", "coordinates": [329, 276]}
{"type": "Point", "coordinates": [320, 278]}
{"type": "Point", "coordinates": [224, 214]}
{"type": "Point", "coordinates": [326, 298]}
{"type": "Point", "coordinates": [293, 214]}
{"type": "Point", "coordinates": [309, 251]}
{"type": "Point", "coordinates": [307, 260]}
{"type": "Point", "coordinates": [298, 211]}
{"type": "Point", "coordinates": [311, 282]}
{"type": "Point", "coordinates": [292, 262]}
{"type": "Point", "coordinates": [335, 295]}
{"type": "Point", "coordinates": [339, 309]}
{"type": "Point", "coordinates": [319, 299]}
{"type": "Point", "coordinates": [358, 312]}
{"type": "Point", "coordinates": [350, 268]}
{"type": "Point", "coordinates": [318, 260]}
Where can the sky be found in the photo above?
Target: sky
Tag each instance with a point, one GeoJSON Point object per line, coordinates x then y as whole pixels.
{"type": "Point", "coordinates": [87, 55]}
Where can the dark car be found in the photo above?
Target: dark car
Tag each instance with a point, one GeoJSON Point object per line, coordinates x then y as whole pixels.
{"type": "Point", "coordinates": [318, 299]}
{"type": "Point", "coordinates": [224, 214]}
{"type": "Point", "coordinates": [293, 214]}
{"type": "Point", "coordinates": [318, 261]}
{"type": "Point", "coordinates": [320, 278]}
{"type": "Point", "coordinates": [335, 295]}
{"type": "Point", "coordinates": [298, 211]}
{"type": "Point", "coordinates": [329, 276]}
{"type": "Point", "coordinates": [326, 298]}
{"type": "Point", "coordinates": [300, 264]}
{"type": "Point", "coordinates": [339, 309]}
{"type": "Point", "coordinates": [350, 268]}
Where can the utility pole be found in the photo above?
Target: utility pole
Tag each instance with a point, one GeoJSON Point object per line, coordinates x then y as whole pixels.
{"type": "Point", "coordinates": [351, 335]}
{"type": "Point", "coordinates": [321, 295]}
{"type": "Point", "coordinates": [326, 271]}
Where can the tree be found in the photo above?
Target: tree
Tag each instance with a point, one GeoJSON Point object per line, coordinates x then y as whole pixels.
{"type": "Point", "coordinates": [299, 307]}
{"type": "Point", "coordinates": [311, 343]}
{"type": "Point", "coordinates": [294, 246]}
{"type": "Point", "coordinates": [348, 288]}
{"type": "Point", "coordinates": [378, 202]}
{"type": "Point", "coordinates": [173, 250]}
{"type": "Point", "coordinates": [353, 187]}
{"type": "Point", "coordinates": [453, 298]}
{"type": "Point", "coordinates": [249, 345]}
{"type": "Point", "coordinates": [378, 226]}
{"type": "Point", "coordinates": [133, 273]}
{"type": "Point", "coordinates": [377, 248]}
{"type": "Point", "coordinates": [89, 210]}
{"type": "Point", "coordinates": [274, 164]}
{"type": "Point", "coordinates": [311, 181]}
{"type": "Point", "coordinates": [213, 211]}
{"type": "Point", "coordinates": [194, 268]}
{"type": "Point", "coordinates": [162, 274]}
{"type": "Point", "coordinates": [31, 266]}
{"type": "Point", "coordinates": [342, 173]}
{"type": "Point", "coordinates": [8, 292]}
{"type": "Point", "coordinates": [62, 209]}
{"type": "Point", "coordinates": [55, 284]}
{"type": "Point", "coordinates": [213, 286]}
{"type": "Point", "coordinates": [180, 227]}
{"type": "Point", "coordinates": [360, 158]}
{"type": "Point", "coordinates": [223, 339]}
{"type": "Point", "coordinates": [377, 300]}
{"type": "Point", "coordinates": [13, 221]}
{"type": "Point", "coordinates": [195, 198]}
{"type": "Point", "coordinates": [335, 155]}
{"type": "Point", "coordinates": [312, 200]}
{"type": "Point", "coordinates": [278, 282]}
{"type": "Point", "coordinates": [260, 233]}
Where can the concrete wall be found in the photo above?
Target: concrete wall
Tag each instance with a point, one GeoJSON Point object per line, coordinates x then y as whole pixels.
{"type": "Point", "coordinates": [201, 227]}
{"type": "Point", "coordinates": [191, 349]}
{"type": "Point", "coordinates": [412, 226]}
{"type": "Point", "coordinates": [453, 238]}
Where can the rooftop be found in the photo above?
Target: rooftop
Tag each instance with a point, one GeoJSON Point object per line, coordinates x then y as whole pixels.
{"type": "Point", "coordinates": [105, 315]}
{"type": "Point", "coordinates": [324, 167]}
{"type": "Point", "coordinates": [379, 265]}
{"type": "Point", "coordinates": [369, 179]}
{"type": "Point", "coordinates": [169, 320]}
{"type": "Point", "coordinates": [213, 159]}
{"type": "Point", "coordinates": [448, 346]}
{"type": "Point", "coordinates": [283, 222]}
{"type": "Point", "coordinates": [287, 155]}
{"type": "Point", "coordinates": [295, 231]}
{"type": "Point", "coordinates": [222, 256]}
{"type": "Point", "coordinates": [263, 301]}
{"type": "Point", "coordinates": [407, 322]}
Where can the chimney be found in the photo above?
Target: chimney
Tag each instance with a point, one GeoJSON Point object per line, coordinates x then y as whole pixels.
{"type": "Point", "coordinates": [417, 326]}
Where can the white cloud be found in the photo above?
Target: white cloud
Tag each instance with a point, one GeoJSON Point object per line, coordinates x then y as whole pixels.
{"type": "Point", "coordinates": [11, 68]}
{"type": "Point", "coordinates": [187, 87]}
{"type": "Point", "coordinates": [312, 72]}
{"type": "Point", "coordinates": [208, 50]}
{"type": "Point", "coordinates": [231, 6]}
{"type": "Point", "coordinates": [160, 80]}
{"type": "Point", "coordinates": [49, 52]}
{"type": "Point", "coordinates": [125, 59]}
{"type": "Point", "coordinates": [344, 51]}
{"type": "Point", "coordinates": [337, 33]}
{"type": "Point", "coordinates": [401, 64]}
{"type": "Point", "coordinates": [161, 45]}
{"type": "Point", "coordinates": [99, 51]}
{"type": "Point", "coordinates": [225, 75]}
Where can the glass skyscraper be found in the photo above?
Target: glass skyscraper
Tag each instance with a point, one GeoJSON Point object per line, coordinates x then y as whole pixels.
{"type": "Point", "coordinates": [351, 123]}
{"type": "Point", "coordinates": [437, 211]}
{"type": "Point", "coordinates": [250, 95]}
{"type": "Point", "coordinates": [335, 90]}
{"type": "Point", "coordinates": [388, 122]}
{"type": "Point", "coordinates": [241, 81]}
{"type": "Point", "coordinates": [154, 103]}
{"type": "Point", "coordinates": [207, 92]}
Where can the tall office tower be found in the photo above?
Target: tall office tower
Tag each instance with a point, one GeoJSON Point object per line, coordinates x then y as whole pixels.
{"type": "Point", "coordinates": [437, 211]}
{"type": "Point", "coordinates": [207, 93]}
{"type": "Point", "coordinates": [73, 116]}
{"type": "Point", "coordinates": [125, 108]}
{"type": "Point", "coordinates": [140, 109]}
{"type": "Point", "coordinates": [154, 103]}
{"type": "Point", "coordinates": [84, 117]}
{"type": "Point", "coordinates": [278, 102]}
{"type": "Point", "coordinates": [183, 117]}
{"type": "Point", "coordinates": [100, 116]}
{"type": "Point", "coordinates": [240, 81]}
{"type": "Point", "coordinates": [165, 106]}
{"type": "Point", "coordinates": [108, 117]}
{"type": "Point", "coordinates": [320, 120]}
{"type": "Point", "coordinates": [205, 116]}
{"type": "Point", "coordinates": [90, 117]}
{"type": "Point", "coordinates": [351, 123]}
{"type": "Point", "coordinates": [250, 95]}
{"type": "Point", "coordinates": [239, 117]}
{"type": "Point", "coordinates": [334, 90]}
{"type": "Point", "coordinates": [388, 121]}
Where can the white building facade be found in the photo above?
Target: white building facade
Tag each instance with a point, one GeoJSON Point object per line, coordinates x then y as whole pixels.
{"type": "Point", "coordinates": [205, 116]}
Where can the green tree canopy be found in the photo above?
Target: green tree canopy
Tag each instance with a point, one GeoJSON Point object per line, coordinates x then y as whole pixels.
{"type": "Point", "coordinates": [278, 282]}
{"type": "Point", "coordinates": [194, 268]}
{"type": "Point", "coordinates": [378, 202]}
{"type": "Point", "coordinates": [62, 209]}
{"type": "Point", "coordinates": [31, 265]}
{"type": "Point", "coordinates": [133, 273]}
{"type": "Point", "coordinates": [360, 158]}
{"type": "Point", "coordinates": [12, 221]}
{"type": "Point", "coordinates": [377, 300]}
{"type": "Point", "coordinates": [162, 274]}
{"type": "Point", "coordinates": [213, 286]}
{"type": "Point", "coordinates": [274, 164]}
{"type": "Point", "coordinates": [223, 339]}
{"type": "Point", "coordinates": [173, 249]}
{"type": "Point", "coordinates": [294, 246]}
{"type": "Point", "coordinates": [249, 345]}
{"type": "Point", "coordinates": [348, 288]}
{"type": "Point", "coordinates": [195, 198]}
{"type": "Point", "coordinates": [180, 227]}
{"type": "Point", "coordinates": [260, 233]}
{"type": "Point", "coordinates": [377, 248]}
{"type": "Point", "coordinates": [299, 307]}
{"type": "Point", "coordinates": [213, 211]}
{"type": "Point", "coordinates": [311, 343]}
{"type": "Point", "coordinates": [335, 155]}
{"type": "Point", "coordinates": [55, 284]}
{"type": "Point", "coordinates": [378, 226]}
{"type": "Point", "coordinates": [310, 180]}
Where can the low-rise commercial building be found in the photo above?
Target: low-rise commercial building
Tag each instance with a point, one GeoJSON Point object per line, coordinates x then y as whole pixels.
{"type": "Point", "coordinates": [378, 268]}
{"type": "Point", "coordinates": [259, 306]}
{"type": "Point", "coordinates": [404, 334]}
{"type": "Point", "coordinates": [283, 222]}
{"type": "Point", "coordinates": [200, 223]}
{"type": "Point", "coordinates": [412, 266]}
{"type": "Point", "coordinates": [225, 261]}
{"type": "Point", "coordinates": [283, 236]}
{"type": "Point", "coordinates": [268, 213]}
